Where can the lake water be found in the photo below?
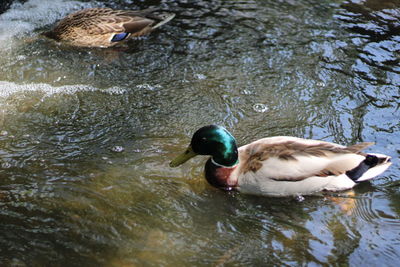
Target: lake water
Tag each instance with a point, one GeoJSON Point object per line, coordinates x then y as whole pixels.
{"type": "Point", "coordinates": [86, 135]}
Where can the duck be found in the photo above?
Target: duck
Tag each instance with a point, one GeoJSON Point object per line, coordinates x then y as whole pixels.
{"type": "Point", "coordinates": [106, 27]}
{"type": "Point", "coordinates": [281, 166]}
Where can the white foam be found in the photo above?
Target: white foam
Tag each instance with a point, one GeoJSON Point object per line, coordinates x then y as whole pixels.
{"type": "Point", "coordinates": [8, 89]}
{"type": "Point", "coordinates": [23, 19]}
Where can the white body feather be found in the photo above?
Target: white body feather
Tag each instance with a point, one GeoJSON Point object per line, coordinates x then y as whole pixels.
{"type": "Point", "coordinates": [281, 177]}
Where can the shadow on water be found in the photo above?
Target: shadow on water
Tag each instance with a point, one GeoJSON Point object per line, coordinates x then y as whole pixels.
{"type": "Point", "coordinates": [86, 135]}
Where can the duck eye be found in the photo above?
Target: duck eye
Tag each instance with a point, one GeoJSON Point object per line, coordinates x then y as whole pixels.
{"type": "Point", "coordinates": [119, 37]}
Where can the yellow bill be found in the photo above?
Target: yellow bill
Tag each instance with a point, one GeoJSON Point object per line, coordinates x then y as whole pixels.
{"type": "Point", "coordinates": [182, 158]}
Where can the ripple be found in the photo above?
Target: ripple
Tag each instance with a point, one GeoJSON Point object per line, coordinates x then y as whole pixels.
{"type": "Point", "coordinates": [33, 14]}
{"type": "Point", "coordinates": [72, 198]}
{"type": "Point", "coordinates": [380, 25]}
{"type": "Point", "coordinates": [259, 107]}
{"type": "Point", "coordinates": [149, 87]}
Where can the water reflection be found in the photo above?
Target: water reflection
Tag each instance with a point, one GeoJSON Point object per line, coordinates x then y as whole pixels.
{"type": "Point", "coordinates": [69, 195]}
{"type": "Point", "coordinates": [378, 28]}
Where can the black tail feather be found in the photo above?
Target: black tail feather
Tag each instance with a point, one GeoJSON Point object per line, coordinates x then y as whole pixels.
{"type": "Point", "coordinates": [369, 162]}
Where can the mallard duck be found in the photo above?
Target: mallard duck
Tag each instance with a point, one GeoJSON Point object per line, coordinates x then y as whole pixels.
{"type": "Point", "coordinates": [105, 27]}
{"type": "Point", "coordinates": [282, 165]}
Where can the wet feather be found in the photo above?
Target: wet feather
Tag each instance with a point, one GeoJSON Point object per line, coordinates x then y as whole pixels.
{"type": "Point", "coordinates": [282, 165]}
{"type": "Point", "coordinates": [96, 27]}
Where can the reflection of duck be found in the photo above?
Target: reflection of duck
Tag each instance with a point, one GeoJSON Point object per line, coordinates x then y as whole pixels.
{"type": "Point", "coordinates": [347, 202]}
{"type": "Point", "coordinates": [281, 166]}
{"type": "Point", "coordinates": [105, 27]}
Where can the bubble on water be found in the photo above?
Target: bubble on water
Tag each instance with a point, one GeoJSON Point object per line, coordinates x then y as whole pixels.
{"type": "Point", "coordinates": [259, 107]}
{"type": "Point", "coordinates": [104, 158]}
{"type": "Point", "coordinates": [6, 165]}
{"type": "Point", "coordinates": [246, 92]}
{"type": "Point", "coordinates": [21, 57]}
{"type": "Point", "coordinates": [321, 84]}
{"type": "Point", "coordinates": [3, 133]}
{"type": "Point", "coordinates": [299, 198]}
{"type": "Point", "coordinates": [200, 76]}
{"type": "Point", "coordinates": [107, 188]}
{"type": "Point", "coordinates": [117, 149]}
{"type": "Point", "coordinates": [59, 78]}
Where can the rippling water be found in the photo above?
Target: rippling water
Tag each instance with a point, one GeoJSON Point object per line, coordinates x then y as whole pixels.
{"type": "Point", "coordinates": [87, 134]}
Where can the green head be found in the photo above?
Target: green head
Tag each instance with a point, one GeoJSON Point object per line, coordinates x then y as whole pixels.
{"type": "Point", "coordinates": [211, 140]}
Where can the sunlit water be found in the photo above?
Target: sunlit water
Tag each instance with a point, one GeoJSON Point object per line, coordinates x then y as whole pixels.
{"type": "Point", "coordinates": [87, 134]}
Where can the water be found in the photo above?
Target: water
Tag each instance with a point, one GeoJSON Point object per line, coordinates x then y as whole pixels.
{"type": "Point", "coordinates": [87, 134]}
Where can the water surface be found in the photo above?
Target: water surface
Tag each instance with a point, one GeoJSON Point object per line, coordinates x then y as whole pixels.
{"type": "Point", "coordinates": [316, 69]}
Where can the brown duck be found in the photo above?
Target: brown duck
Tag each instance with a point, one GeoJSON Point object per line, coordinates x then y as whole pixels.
{"type": "Point", "coordinates": [106, 27]}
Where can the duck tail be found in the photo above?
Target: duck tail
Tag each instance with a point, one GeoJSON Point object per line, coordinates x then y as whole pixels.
{"type": "Point", "coordinates": [371, 166]}
{"type": "Point", "coordinates": [164, 18]}
{"type": "Point", "coordinates": [154, 14]}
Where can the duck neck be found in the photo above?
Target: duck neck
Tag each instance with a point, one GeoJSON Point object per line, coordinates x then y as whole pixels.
{"type": "Point", "coordinates": [220, 176]}
{"type": "Point", "coordinates": [220, 166]}
{"type": "Point", "coordinates": [227, 156]}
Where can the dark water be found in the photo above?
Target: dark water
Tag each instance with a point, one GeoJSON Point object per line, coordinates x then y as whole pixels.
{"type": "Point", "coordinates": [310, 68]}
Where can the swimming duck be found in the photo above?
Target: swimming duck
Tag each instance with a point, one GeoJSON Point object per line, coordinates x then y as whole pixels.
{"type": "Point", "coordinates": [282, 165]}
{"type": "Point", "coordinates": [105, 27]}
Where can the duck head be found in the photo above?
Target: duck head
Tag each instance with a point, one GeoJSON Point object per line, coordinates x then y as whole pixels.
{"type": "Point", "coordinates": [211, 140]}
